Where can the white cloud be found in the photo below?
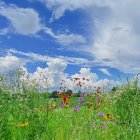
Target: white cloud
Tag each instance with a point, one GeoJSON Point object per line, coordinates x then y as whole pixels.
{"type": "Point", "coordinates": [116, 40]}
{"type": "Point", "coordinates": [106, 84]}
{"type": "Point", "coordinates": [68, 39]}
{"type": "Point", "coordinates": [10, 62]}
{"type": "Point", "coordinates": [65, 39]}
{"type": "Point", "coordinates": [54, 74]}
{"type": "Point", "coordinates": [116, 44]}
{"type": "Point", "coordinates": [86, 84]}
{"type": "Point", "coordinates": [105, 71]}
{"type": "Point", "coordinates": [44, 58]}
{"type": "Point", "coordinates": [4, 31]}
{"type": "Point", "coordinates": [32, 56]}
{"type": "Point", "coordinates": [55, 70]}
{"type": "Point", "coordinates": [86, 73]}
{"type": "Point", "coordinates": [25, 21]}
{"type": "Point", "coordinates": [59, 7]}
{"type": "Point", "coordinates": [57, 65]}
{"type": "Point", "coordinates": [74, 60]}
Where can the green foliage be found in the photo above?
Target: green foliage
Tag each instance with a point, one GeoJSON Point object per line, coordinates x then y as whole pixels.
{"type": "Point", "coordinates": [114, 89]}
{"type": "Point", "coordinates": [54, 94]}
{"type": "Point", "coordinates": [69, 91]}
{"type": "Point", "coordinates": [128, 106]}
{"type": "Point", "coordinates": [76, 95]}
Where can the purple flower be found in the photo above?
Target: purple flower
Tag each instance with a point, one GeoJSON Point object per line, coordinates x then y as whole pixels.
{"type": "Point", "coordinates": [80, 100]}
{"type": "Point", "coordinates": [101, 114]}
{"type": "Point", "coordinates": [76, 108]}
{"type": "Point", "coordinates": [61, 104]}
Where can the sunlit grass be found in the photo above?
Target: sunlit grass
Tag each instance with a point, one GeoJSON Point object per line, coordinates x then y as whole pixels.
{"type": "Point", "coordinates": [30, 116]}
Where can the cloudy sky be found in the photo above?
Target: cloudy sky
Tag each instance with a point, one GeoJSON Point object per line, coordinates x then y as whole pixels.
{"type": "Point", "coordinates": [94, 38]}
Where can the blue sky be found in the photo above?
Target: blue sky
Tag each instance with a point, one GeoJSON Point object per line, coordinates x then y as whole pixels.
{"type": "Point", "coordinates": [100, 36]}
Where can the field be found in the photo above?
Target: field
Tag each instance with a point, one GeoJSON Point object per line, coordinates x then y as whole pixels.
{"type": "Point", "coordinates": [106, 116]}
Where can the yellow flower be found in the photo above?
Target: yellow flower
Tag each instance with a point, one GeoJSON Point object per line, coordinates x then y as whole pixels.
{"type": "Point", "coordinates": [52, 106]}
{"type": "Point", "coordinates": [23, 124]}
{"type": "Point", "coordinates": [89, 105]}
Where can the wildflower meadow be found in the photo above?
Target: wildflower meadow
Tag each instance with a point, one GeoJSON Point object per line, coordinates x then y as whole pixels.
{"type": "Point", "coordinates": [30, 114]}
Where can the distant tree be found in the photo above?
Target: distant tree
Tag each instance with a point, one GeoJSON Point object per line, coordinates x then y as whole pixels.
{"type": "Point", "coordinates": [54, 94]}
{"type": "Point", "coordinates": [78, 94]}
{"type": "Point", "coordinates": [114, 89]}
{"type": "Point", "coordinates": [69, 91]}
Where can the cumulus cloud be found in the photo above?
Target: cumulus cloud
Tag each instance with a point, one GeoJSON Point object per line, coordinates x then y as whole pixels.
{"type": "Point", "coordinates": [25, 21]}
{"type": "Point", "coordinates": [86, 72]}
{"type": "Point", "coordinates": [54, 73]}
{"type": "Point", "coordinates": [116, 40]}
{"type": "Point", "coordinates": [88, 84]}
{"type": "Point", "coordinates": [106, 84]}
{"type": "Point", "coordinates": [10, 62]}
{"type": "Point", "coordinates": [116, 44]}
{"type": "Point", "coordinates": [51, 77]}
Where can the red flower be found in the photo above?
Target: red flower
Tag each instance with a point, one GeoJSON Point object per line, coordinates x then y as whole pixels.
{"type": "Point", "coordinates": [108, 116]}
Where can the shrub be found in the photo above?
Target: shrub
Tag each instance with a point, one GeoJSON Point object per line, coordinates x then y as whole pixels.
{"type": "Point", "coordinates": [69, 91]}
{"type": "Point", "coordinates": [54, 94]}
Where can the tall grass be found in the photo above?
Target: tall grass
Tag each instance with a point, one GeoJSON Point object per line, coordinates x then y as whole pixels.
{"type": "Point", "coordinates": [28, 116]}
{"type": "Point", "coordinates": [128, 107]}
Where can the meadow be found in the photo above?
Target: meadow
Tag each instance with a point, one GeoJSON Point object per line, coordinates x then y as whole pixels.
{"type": "Point", "coordinates": [114, 115]}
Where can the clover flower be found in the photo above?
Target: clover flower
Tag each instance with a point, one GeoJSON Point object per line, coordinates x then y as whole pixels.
{"type": "Point", "coordinates": [61, 104]}
{"type": "Point", "coordinates": [80, 100]}
{"type": "Point", "coordinates": [76, 108]}
{"type": "Point", "coordinates": [101, 114]}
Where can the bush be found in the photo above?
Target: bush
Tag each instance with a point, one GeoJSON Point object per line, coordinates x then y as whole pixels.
{"type": "Point", "coordinates": [54, 94]}
{"type": "Point", "coordinates": [69, 91]}
{"type": "Point", "coordinates": [76, 95]}
{"type": "Point", "coordinates": [114, 89]}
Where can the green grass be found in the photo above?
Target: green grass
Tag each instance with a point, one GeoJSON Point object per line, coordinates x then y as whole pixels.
{"type": "Point", "coordinates": [63, 123]}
